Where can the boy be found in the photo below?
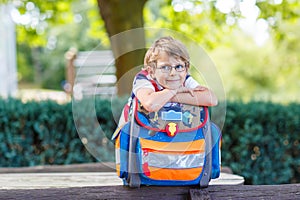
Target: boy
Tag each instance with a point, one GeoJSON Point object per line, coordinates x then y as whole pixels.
{"type": "Point", "coordinates": [165, 78]}
{"type": "Point", "coordinates": [164, 82]}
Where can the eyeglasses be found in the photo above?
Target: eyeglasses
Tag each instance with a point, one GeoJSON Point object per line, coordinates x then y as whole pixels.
{"type": "Point", "coordinates": [168, 69]}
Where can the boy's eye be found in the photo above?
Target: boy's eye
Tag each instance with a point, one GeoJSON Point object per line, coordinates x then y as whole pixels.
{"type": "Point", "coordinates": [179, 68]}
{"type": "Point", "coordinates": [166, 68]}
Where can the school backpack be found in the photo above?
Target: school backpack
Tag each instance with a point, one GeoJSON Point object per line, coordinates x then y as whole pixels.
{"type": "Point", "coordinates": [176, 146]}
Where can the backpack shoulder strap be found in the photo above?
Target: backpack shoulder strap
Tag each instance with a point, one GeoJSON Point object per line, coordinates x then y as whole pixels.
{"type": "Point", "coordinates": [141, 75]}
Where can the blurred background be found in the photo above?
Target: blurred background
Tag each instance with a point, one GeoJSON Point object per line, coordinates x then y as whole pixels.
{"type": "Point", "coordinates": [254, 45]}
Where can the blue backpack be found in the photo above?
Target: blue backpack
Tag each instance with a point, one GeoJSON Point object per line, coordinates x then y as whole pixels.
{"type": "Point", "coordinates": [176, 146]}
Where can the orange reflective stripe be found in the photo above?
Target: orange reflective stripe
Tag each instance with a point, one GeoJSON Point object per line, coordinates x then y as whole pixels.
{"type": "Point", "coordinates": [117, 144]}
{"type": "Point", "coordinates": [173, 152]}
{"type": "Point", "coordinates": [174, 174]}
{"type": "Point", "coordinates": [118, 169]}
{"type": "Point", "coordinates": [197, 145]}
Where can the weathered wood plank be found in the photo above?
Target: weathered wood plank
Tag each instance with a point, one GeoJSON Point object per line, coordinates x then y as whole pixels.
{"type": "Point", "coordinates": [249, 192]}
{"type": "Point", "coordinates": [57, 180]}
{"type": "Point", "coordinates": [285, 191]}
{"type": "Point", "coordinates": [85, 167]}
{"type": "Point", "coordinates": [197, 194]}
{"type": "Point", "coordinates": [84, 179]}
{"type": "Point", "coordinates": [116, 192]}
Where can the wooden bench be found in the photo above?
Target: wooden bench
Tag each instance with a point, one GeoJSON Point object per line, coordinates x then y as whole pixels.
{"type": "Point", "coordinates": [90, 73]}
{"type": "Point", "coordinates": [79, 175]}
{"type": "Point", "coordinates": [249, 192]}
{"type": "Point", "coordinates": [78, 182]}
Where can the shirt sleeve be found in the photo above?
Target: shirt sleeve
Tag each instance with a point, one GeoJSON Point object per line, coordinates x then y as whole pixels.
{"type": "Point", "coordinates": [141, 83]}
{"type": "Point", "coordinates": [190, 82]}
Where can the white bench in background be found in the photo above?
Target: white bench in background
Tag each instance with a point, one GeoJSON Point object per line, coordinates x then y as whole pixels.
{"type": "Point", "coordinates": [90, 73]}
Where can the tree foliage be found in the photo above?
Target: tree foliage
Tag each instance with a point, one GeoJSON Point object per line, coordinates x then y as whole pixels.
{"type": "Point", "coordinates": [59, 25]}
{"type": "Point", "coordinates": [130, 16]}
{"type": "Point", "coordinates": [69, 24]}
{"type": "Point", "coordinates": [250, 72]}
{"type": "Point", "coordinates": [200, 20]}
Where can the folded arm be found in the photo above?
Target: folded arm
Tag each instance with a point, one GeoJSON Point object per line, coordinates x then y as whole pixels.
{"type": "Point", "coordinates": [200, 96]}
{"type": "Point", "coordinates": [153, 101]}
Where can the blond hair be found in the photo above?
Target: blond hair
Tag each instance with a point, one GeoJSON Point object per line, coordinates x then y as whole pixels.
{"type": "Point", "coordinates": [169, 45]}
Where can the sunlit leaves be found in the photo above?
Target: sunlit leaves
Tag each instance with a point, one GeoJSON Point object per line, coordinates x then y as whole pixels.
{"type": "Point", "coordinates": [270, 72]}
{"type": "Point", "coordinates": [196, 19]}
{"type": "Point", "coordinates": [40, 17]}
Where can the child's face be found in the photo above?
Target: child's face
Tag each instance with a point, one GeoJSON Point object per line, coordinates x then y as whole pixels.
{"type": "Point", "coordinates": [172, 79]}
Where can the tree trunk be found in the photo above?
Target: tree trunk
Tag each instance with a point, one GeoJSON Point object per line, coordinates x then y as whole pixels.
{"type": "Point", "coordinates": [128, 47]}
{"type": "Point", "coordinates": [38, 71]}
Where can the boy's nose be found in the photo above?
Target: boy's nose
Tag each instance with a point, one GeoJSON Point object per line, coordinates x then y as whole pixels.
{"type": "Point", "coordinates": [173, 71]}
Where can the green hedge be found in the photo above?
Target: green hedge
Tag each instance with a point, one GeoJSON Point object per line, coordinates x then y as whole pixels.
{"type": "Point", "coordinates": [260, 140]}
{"type": "Point", "coordinates": [42, 133]}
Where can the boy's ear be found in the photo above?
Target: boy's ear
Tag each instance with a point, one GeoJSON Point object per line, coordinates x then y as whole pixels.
{"type": "Point", "coordinates": [151, 71]}
{"type": "Point", "coordinates": [187, 65]}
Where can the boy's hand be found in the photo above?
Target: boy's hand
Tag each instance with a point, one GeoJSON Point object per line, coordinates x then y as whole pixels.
{"type": "Point", "coordinates": [200, 88]}
{"type": "Point", "coordinates": [190, 90]}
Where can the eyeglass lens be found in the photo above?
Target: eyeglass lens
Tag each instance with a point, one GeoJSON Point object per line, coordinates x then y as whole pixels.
{"type": "Point", "coordinates": [178, 68]}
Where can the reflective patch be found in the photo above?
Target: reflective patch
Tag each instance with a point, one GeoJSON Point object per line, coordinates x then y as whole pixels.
{"type": "Point", "coordinates": [117, 153]}
{"type": "Point", "coordinates": [175, 161]}
{"type": "Point", "coordinates": [173, 174]}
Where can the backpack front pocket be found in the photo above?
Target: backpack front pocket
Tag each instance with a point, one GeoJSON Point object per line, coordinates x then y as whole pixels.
{"type": "Point", "coordinates": [177, 161]}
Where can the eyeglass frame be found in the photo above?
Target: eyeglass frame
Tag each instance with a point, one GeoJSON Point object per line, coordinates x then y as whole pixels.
{"type": "Point", "coordinates": [171, 67]}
